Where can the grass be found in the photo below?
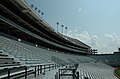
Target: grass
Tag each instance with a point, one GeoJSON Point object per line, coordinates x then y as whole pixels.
{"type": "Point", "coordinates": [117, 71]}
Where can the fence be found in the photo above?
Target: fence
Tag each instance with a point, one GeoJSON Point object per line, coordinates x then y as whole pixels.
{"type": "Point", "coordinates": [68, 72]}
{"type": "Point", "coordinates": [24, 71]}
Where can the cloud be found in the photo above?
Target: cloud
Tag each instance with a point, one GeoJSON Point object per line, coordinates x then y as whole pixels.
{"type": "Point", "coordinates": [85, 37]}
{"type": "Point", "coordinates": [113, 39]}
{"type": "Point", "coordinates": [79, 10]}
{"type": "Point", "coordinates": [94, 41]}
{"type": "Point", "coordinates": [110, 36]}
{"type": "Point", "coordinates": [108, 43]}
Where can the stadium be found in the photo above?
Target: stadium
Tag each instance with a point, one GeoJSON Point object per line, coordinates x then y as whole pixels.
{"type": "Point", "coordinates": [31, 49]}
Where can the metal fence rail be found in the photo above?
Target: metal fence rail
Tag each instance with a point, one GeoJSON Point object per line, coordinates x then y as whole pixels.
{"type": "Point", "coordinates": [24, 71]}
{"type": "Point", "coordinates": [68, 72]}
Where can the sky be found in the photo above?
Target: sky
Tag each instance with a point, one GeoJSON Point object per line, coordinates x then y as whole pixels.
{"type": "Point", "coordinates": [94, 22]}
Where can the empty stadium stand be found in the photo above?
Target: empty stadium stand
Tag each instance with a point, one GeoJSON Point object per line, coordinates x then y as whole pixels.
{"type": "Point", "coordinates": [28, 53]}
{"type": "Point", "coordinates": [28, 31]}
{"type": "Point", "coordinates": [96, 71]}
{"type": "Point", "coordinates": [31, 49]}
{"type": "Point", "coordinates": [6, 60]}
{"type": "Point", "coordinates": [32, 55]}
{"type": "Point", "coordinates": [109, 59]}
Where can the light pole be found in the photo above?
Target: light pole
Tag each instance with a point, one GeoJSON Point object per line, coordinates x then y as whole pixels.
{"type": "Point", "coordinates": [36, 8]}
{"type": "Point", "coordinates": [32, 5]}
{"type": "Point", "coordinates": [57, 26]}
{"type": "Point", "coordinates": [38, 11]}
{"type": "Point", "coordinates": [42, 13]}
{"type": "Point", "coordinates": [62, 28]}
{"type": "Point", "coordinates": [66, 30]}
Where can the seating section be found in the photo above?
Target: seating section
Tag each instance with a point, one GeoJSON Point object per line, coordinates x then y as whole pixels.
{"type": "Point", "coordinates": [109, 59]}
{"type": "Point", "coordinates": [95, 71]}
{"type": "Point", "coordinates": [6, 61]}
{"type": "Point", "coordinates": [21, 51]}
{"type": "Point", "coordinates": [117, 58]}
{"type": "Point", "coordinates": [32, 55]}
{"type": "Point", "coordinates": [20, 58]}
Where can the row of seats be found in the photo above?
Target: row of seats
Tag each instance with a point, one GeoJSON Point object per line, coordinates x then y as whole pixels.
{"type": "Point", "coordinates": [92, 70]}
{"type": "Point", "coordinates": [6, 60]}
{"type": "Point", "coordinates": [110, 59]}
{"type": "Point", "coordinates": [21, 51]}
{"type": "Point", "coordinates": [32, 55]}
{"type": "Point", "coordinates": [95, 71]}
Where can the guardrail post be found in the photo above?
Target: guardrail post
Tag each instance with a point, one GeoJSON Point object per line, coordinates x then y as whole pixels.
{"type": "Point", "coordinates": [73, 73]}
{"type": "Point", "coordinates": [44, 70]}
{"type": "Point", "coordinates": [8, 73]}
{"type": "Point", "coordinates": [25, 72]}
{"type": "Point", "coordinates": [49, 67]}
{"type": "Point", "coordinates": [35, 71]}
{"type": "Point", "coordinates": [55, 66]}
{"type": "Point", "coordinates": [59, 73]}
{"type": "Point", "coordinates": [77, 75]}
{"type": "Point", "coordinates": [38, 70]}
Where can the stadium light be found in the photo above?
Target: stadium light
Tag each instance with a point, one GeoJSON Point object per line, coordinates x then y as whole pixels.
{"type": "Point", "coordinates": [42, 13]}
{"type": "Point", "coordinates": [38, 11]}
{"type": "Point", "coordinates": [57, 25]}
{"type": "Point", "coordinates": [32, 5]}
{"type": "Point", "coordinates": [66, 29]}
{"type": "Point", "coordinates": [62, 28]}
{"type": "Point", "coordinates": [35, 8]}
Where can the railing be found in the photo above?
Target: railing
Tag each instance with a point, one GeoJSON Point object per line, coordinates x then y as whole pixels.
{"type": "Point", "coordinates": [69, 72]}
{"type": "Point", "coordinates": [24, 71]}
{"type": "Point", "coordinates": [15, 72]}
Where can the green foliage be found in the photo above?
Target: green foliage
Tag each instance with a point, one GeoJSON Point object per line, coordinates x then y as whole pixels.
{"type": "Point", "coordinates": [117, 71]}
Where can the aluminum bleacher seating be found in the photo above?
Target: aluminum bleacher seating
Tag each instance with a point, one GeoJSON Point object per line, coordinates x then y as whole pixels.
{"type": "Point", "coordinates": [21, 51]}
{"type": "Point", "coordinates": [109, 59]}
{"type": "Point", "coordinates": [31, 55]}
{"type": "Point", "coordinates": [6, 60]}
{"type": "Point", "coordinates": [34, 55]}
{"type": "Point", "coordinates": [97, 70]}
